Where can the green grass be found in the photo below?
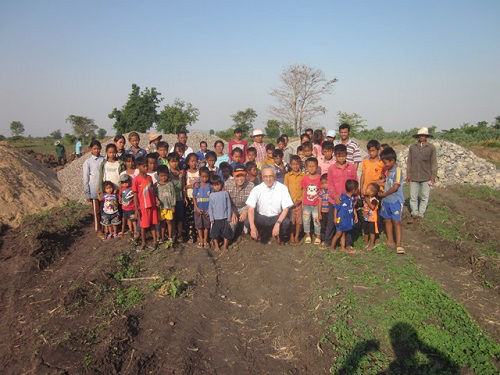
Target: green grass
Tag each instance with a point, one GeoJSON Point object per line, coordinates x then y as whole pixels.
{"type": "Point", "coordinates": [380, 304]}
{"type": "Point", "coordinates": [40, 145]}
{"type": "Point", "coordinates": [480, 192]}
{"type": "Point", "coordinates": [129, 297]}
{"type": "Point", "coordinates": [444, 221]}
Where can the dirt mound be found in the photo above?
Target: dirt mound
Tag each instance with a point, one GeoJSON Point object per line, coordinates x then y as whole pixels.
{"type": "Point", "coordinates": [26, 186]}
{"type": "Point", "coordinates": [71, 175]}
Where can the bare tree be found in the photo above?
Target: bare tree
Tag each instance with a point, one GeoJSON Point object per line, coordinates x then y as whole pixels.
{"type": "Point", "coordinates": [299, 97]}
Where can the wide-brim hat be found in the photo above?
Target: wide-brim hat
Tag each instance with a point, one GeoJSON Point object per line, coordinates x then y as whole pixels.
{"type": "Point", "coordinates": [257, 132]}
{"type": "Point", "coordinates": [57, 143]}
{"type": "Point", "coordinates": [422, 131]}
{"type": "Point", "coordinates": [152, 136]}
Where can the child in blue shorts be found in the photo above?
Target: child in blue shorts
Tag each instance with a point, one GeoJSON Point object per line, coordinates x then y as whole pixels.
{"type": "Point", "coordinates": [393, 199]}
{"type": "Point", "coordinates": [344, 214]}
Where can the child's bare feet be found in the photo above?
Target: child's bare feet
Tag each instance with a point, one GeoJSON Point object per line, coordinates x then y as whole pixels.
{"type": "Point", "coordinates": [390, 244]}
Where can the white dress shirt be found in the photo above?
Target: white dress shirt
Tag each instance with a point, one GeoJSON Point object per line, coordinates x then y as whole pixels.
{"type": "Point", "coordinates": [270, 201]}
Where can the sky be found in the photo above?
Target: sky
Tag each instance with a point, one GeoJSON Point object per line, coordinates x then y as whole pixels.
{"type": "Point", "coordinates": [399, 64]}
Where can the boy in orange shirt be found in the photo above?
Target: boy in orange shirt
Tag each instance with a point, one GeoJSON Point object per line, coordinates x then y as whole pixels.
{"type": "Point", "coordinates": [293, 181]}
{"type": "Point", "coordinates": [372, 167]}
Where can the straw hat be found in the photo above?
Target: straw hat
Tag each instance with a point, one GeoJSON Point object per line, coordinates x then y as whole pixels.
{"type": "Point", "coordinates": [152, 136]}
{"type": "Point", "coordinates": [257, 132]}
{"type": "Point", "coordinates": [422, 131]}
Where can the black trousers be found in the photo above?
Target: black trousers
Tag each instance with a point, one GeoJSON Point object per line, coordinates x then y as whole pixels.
{"type": "Point", "coordinates": [330, 229]}
{"type": "Point", "coordinates": [265, 226]}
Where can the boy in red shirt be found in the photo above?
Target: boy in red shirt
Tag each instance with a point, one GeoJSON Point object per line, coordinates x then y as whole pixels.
{"type": "Point", "coordinates": [237, 142]}
{"type": "Point", "coordinates": [338, 174]}
{"type": "Point", "coordinates": [145, 202]}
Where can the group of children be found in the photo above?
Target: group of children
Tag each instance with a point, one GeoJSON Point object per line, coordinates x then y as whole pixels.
{"type": "Point", "coordinates": [182, 196]}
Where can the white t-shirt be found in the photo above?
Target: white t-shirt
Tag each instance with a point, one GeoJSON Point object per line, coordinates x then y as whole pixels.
{"type": "Point", "coordinates": [154, 176]}
{"type": "Point", "coordinates": [186, 152]}
{"type": "Point", "coordinates": [270, 201]}
{"type": "Point", "coordinates": [112, 172]}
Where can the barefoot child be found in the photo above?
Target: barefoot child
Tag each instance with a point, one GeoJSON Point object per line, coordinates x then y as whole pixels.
{"type": "Point", "coordinates": [345, 215]}
{"type": "Point", "coordinates": [219, 208]}
{"type": "Point", "coordinates": [370, 215]}
{"type": "Point", "coordinates": [145, 202]}
{"type": "Point", "coordinates": [311, 186]}
{"type": "Point", "coordinates": [110, 218]}
{"type": "Point", "coordinates": [126, 199]}
{"type": "Point", "coordinates": [91, 182]}
{"type": "Point", "coordinates": [201, 195]}
{"type": "Point", "coordinates": [110, 169]}
{"type": "Point", "coordinates": [293, 181]}
{"type": "Point", "coordinates": [393, 199]}
{"type": "Point", "coordinates": [323, 207]}
{"type": "Point", "coordinates": [165, 193]}
{"type": "Point", "coordinates": [178, 182]}
{"type": "Point", "coordinates": [192, 177]}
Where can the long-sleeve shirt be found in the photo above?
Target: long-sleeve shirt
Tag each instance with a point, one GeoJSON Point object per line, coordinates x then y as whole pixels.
{"type": "Point", "coordinates": [422, 162]}
{"type": "Point", "coordinates": [219, 206]}
{"type": "Point", "coordinates": [91, 176]}
{"type": "Point", "coordinates": [337, 178]}
{"type": "Point", "coordinates": [261, 151]}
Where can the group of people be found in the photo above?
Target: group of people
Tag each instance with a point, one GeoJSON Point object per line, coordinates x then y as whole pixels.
{"type": "Point", "coordinates": [264, 190]}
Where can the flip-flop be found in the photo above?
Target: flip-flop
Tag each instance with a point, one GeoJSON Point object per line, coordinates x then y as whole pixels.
{"type": "Point", "coordinates": [400, 250]}
{"type": "Point", "coordinates": [199, 245]}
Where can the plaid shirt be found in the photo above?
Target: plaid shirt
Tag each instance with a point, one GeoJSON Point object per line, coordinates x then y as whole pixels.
{"type": "Point", "coordinates": [238, 195]}
{"type": "Point", "coordinates": [261, 151]}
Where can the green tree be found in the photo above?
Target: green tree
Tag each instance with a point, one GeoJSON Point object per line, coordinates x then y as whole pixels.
{"type": "Point", "coordinates": [69, 138]}
{"type": "Point", "coordinates": [82, 126]}
{"type": "Point", "coordinates": [273, 128]}
{"type": "Point", "coordinates": [497, 122]}
{"type": "Point", "coordinates": [211, 132]}
{"type": "Point", "coordinates": [56, 134]}
{"type": "Point", "coordinates": [355, 121]}
{"type": "Point", "coordinates": [176, 117]}
{"type": "Point", "coordinates": [101, 133]}
{"type": "Point", "coordinates": [139, 113]}
{"type": "Point", "coordinates": [17, 128]}
{"type": "Point", "coordinates": [244, 120]}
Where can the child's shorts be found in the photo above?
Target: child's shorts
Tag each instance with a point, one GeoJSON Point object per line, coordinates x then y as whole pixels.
{"type": "Point", "coordinates": [393, 211]}
{"type": "Point", "coordinates": [129, 215]}
{"type": "Point", "coordinates": [369, 227]}
{"type": "Point", "coordinates": [201, 221]}
{"type": "Point", "coordinates": [179, 214]}
{"type": "Point", "coordinates": [110, 219]}
{"type": "Point", "coordinates": [343, 226]}
{"type": "Point", "coordinates": [296, 215]}
{"type": "Point", "coordinates": [148, 216]}
{"type": "Point", "coordinates": [221, 228]}
{"type": "Point", "coordinates": [166, 214]}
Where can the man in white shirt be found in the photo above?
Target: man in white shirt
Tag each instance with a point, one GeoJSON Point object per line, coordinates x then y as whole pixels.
{"type": "Point", "coordinates": [182, 138]}
{"type": "Point", "coordinates": [268, 206]}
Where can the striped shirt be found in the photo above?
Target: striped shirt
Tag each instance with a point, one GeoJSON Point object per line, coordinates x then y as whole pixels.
{"type": "Point", "coordinates": [261, 151]}
{"type": "Point", "coordinates": [353, 152]}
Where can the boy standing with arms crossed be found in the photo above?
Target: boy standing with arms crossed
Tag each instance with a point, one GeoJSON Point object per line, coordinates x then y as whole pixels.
{"type": "Point", "coordinates": [393, 199]}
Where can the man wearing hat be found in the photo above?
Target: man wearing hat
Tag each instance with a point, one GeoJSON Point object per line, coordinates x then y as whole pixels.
{"type": "Point", "coordinates": [182, 138]}
{"type": "Point", "coordinates": [330, 135]}
{"type": "Point", "coordinates": [154, 138]}
{"type": "Point", "coordinates": [239, 189]}
{"type": "Point", "coordinates": [258, 136]}
{"type": "Point", "coordinates": [421, 172]}
{"type": "Point", "coordinates": [61, 153]}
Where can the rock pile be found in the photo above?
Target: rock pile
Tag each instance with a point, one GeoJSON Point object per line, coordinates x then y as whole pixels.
{"type": "Point", "coordinates": [457, 165]}
{"type": "Point", "coordinates": [71, 175]}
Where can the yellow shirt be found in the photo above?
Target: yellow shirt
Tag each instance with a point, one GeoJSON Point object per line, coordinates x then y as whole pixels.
{"type": "Point", "coordinates": [268, 161]}
{"type": "Point", "coordinates": [372, 171]}
{"type": "Point", "coordinates": [293, 183]}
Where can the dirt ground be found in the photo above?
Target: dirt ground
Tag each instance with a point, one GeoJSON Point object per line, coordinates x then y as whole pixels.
{"type": "Point", "coordinates": [252, 311]}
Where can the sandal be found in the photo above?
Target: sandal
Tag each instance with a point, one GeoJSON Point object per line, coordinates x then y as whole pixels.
{"type": "Point", "coordinates": [400, 250]}
{"type": "Point", "coordinates": [307, 240]}
{"type": "Point", "coordinates": [317, 241]}
{"type": "Point", "coordinates": [199, 245]}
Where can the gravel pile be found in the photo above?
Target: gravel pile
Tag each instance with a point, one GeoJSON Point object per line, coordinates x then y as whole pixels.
{"type": "Point", "coordinates": [71, 175]}
{"type": "Point", "coordinates": [457, 165]}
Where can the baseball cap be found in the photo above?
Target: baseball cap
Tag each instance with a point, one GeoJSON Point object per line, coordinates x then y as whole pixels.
{"type": "Point", "coordinates": [331, 133]}
{"type": "Point", "coordinates": [239, 170]}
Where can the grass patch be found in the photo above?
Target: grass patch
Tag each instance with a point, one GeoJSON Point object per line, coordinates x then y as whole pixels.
{"type": "Point", "coordinates": [127, 270]}
{"type": "Point", "coordinates": [444, 221]}
{"type": "Point", "coordinates": [129, 297]}
{"type": "Point", "coordinates": [484, 193]}
{"type": "Point", "coordinates": [383, 313]}
{"type": "Point", "coordinates": [174, 287]}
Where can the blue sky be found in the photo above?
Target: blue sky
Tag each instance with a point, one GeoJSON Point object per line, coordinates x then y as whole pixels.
{"type": "Point", "coordinates": [399, 64]}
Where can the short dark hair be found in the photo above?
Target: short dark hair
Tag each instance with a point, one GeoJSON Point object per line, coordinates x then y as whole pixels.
{"type": "Point", "coordinates": [173, 156]}
{"type": "Point", "coordinates": [116, 138]}
{"type": "Point", "coordinates": [182, 146]}
{"type": "Point", "coordinates": [351, 185]}
{"type": "Point", "coordinates": [162, 169]}
{"type": "Point", "coordinates": [191, 155]}
{"type": "Point", "coordinates": [277, 152]}
{"type": "Point", "coordinates": [384, 145]}
{"type": "Point", "coordinates": [270, 146]}
{"type": "Point", "coordinates": [204, 170]}
{"type": "Point", "coordinates": [141, 160]}
{"type": "Point", "coordinates": [215, 179]}
{"type": "Point", "coordinates": [373, 143]}
{"type": "Point", "coordinates": [308, 130]}
{"type": "Point", "coordinates": [388, 154]}
{"type": "Point", "coordinates": [95, 142]}
{"type": "Point", "coordinates": [181, 132]}
{"type": "Point", "coordinates": [235, 150]}
{"type": "Point", "coordinates": [300, 148]}
{"type": "Point", "coordinates": [251, 149]}
{"type": "Point", "coordinates": [224, 165]}
{"type": "Point", "coordinates": [250, 164]}
{"type": "Point", "coordinates": [375, 186]}
{"type": "Point", "coordinates": [318, 136]}
{"type": "Point", "coordinates": [128, 157]}
{"type": "Point", "coordinates": [238, 130]}
{"type": "Point", "coordinates": [312, 159]}
{"type": "Point", "coordinates": [327, 145]}
{"type": "Point", "coordinates": [105, 184]}
{"type": "Point", "coordinates": [340, 148]}
{"type": "Point", "coordinates": [305, 135]}
{"type": "Point", "coordinates": [345, 125]}
{"type": "Point", "coordinates": [217, 142]}
{"type": "Point", "coordinates": [152, 155]}
{"type": "Point", "coordinates": [324, 177]}
{"type": "Point", "coordinates": [203, 142]}
{"type": "Point", "coordinates": [211, 154]}
{"type": "Point", "coordinates": [296, 158]}
{"type": "Point", "coordinates": [307, 144]}
{"type": "Point", "coordinates": [111, 145]}
{"type": "Point", "coordinates": [162, 144]}
{"type": "Point", "coordinates": [133, 134]}
{"type": "Point", "coordinates": [285, 136]}
{"type": "Point", "coordinates": [281, 140]}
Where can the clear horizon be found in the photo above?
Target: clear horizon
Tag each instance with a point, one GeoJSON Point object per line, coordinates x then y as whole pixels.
{"type": "Point", "coordinates": [399, 64]}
